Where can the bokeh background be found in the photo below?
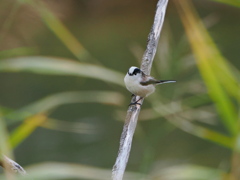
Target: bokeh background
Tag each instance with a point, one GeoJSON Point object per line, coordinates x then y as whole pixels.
{"type": "Point", "coordinates": [63, 101]}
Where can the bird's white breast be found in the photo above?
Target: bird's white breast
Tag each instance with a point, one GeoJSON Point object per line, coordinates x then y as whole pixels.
{"type": "Point", "coordinates": [133, 85]}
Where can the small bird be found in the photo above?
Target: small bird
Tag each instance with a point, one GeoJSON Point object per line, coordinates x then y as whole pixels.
{"type": "Point", "coordinates": [140, 84]}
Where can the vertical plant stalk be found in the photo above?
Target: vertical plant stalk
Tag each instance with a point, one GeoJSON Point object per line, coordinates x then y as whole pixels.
{"type": "Point", "coordinates": [133, 111]}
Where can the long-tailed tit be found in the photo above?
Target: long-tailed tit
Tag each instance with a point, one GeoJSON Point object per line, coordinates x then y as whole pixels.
{"type": "Point", "coordinates": [140, 84]}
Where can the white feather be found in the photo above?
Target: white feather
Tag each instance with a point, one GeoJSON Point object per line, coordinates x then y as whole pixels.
{"type": "Point", "coordinates": [131, 69]}
{"type": "Point", "coordinates": [133, 84]}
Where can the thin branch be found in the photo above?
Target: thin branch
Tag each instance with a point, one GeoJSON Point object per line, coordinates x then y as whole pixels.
{"type": "Point", "coordinates": [11, 166]}
{"type": "Point", "coordinates": [154, 36]}
{"type": "Point", "coordinates": [133, 111]}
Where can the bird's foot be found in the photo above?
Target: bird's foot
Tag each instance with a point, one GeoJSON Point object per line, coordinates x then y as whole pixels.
{"type": "Point", "coordinates": [134, 104]}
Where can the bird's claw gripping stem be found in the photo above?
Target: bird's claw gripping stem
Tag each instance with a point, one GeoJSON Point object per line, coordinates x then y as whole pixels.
{"type": "Point", "coordinates": [136, 102]}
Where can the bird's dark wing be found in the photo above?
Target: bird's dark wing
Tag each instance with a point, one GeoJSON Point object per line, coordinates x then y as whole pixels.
{"type": "Point", "coordinates": [151, 80]}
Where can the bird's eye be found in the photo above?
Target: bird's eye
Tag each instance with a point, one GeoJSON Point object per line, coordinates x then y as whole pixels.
{"type": "Point", "coordinates": [136, 71]}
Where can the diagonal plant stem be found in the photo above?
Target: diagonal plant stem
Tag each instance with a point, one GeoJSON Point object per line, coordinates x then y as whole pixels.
{"type": "Point", "coordinates": [12, 166]}
{"type": "Point", "coordinates": [133, 111]}
{"type": "Point", "coordinates": [212, 66]}
{"type": "Point", "coordinates": [58, 28]}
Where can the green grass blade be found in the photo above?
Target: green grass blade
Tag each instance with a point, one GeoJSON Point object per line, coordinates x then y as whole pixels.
{"type": "Point", "coordinates": [58, 28]}
{"type": "Point", "coordinates": [57, 66]}
{"type": "Point", "coordinates": [185, 171]}
{"type": "Point", "coordinates": [33, 113]}
{"type": "Point", "coordinates": [211, 66]}
{"type": "Point", "coordinates": [25, 129]}
{"type": "Point", "coordinates": [57, 170]}
{"type": "Point", "coordinates": [53, 101]}
{"type": "Point", "coordinates": [9, 21]}
{"type": "Point", "coordinates": [203, 133]}
{"type": "Point", "coordinates": [235, 3]}
{"type": "Point", "coordinates": [4, 146]}
{"type": "Point", "coordinates": [71, 127]}
{"type": "Point", "coordinates": [16, 52]}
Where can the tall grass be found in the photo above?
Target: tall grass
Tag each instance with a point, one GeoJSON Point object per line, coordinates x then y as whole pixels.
{"type": "Point", "coordinates": [218, 101]}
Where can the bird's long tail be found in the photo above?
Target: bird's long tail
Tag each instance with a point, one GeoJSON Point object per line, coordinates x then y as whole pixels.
{"type": "Point", "coordinates": [165, 81]}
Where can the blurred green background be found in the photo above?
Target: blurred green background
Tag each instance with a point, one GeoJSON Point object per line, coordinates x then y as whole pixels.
{"type": "Point", "coordinates": [63, 101]}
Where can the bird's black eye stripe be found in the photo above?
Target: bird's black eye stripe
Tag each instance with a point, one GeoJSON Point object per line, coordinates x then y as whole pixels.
{"type": "Point", "coordinates": [136, 71]}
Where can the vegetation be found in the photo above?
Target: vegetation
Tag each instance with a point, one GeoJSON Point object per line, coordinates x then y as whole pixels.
{"type": "Point", "coordinates": [63, 101]}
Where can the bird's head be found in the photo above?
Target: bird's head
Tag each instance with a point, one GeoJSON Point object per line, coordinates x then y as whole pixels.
{"type": "Point", "coordinates": [134, 71]}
